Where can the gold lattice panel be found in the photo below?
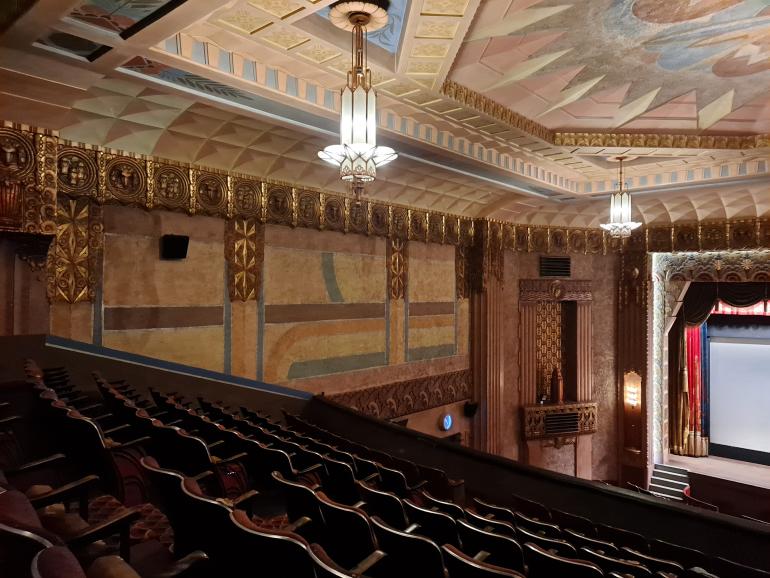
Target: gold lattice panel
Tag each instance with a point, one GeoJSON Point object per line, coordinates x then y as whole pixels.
{"type": "Point", "coordinates": [548, 346]}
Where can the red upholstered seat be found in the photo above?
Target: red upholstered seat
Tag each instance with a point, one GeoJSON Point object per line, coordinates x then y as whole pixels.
{"type": "Point", "coordinates": [57, 562]}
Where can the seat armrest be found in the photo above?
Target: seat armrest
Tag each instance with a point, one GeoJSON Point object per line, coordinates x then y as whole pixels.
{"type": "Point", "coordinates": [371, 477]}
{"type": "Point", "coordinates": [367, 562]}
{"type": "Point", "coordinates": [419, 485]}
{"type": "Point", "coordinates": [243, 498]}
{"type": "Point", "coordinates": [132, 443]}
{"type": "Point", "coordinates": [215, 444]}
{"type": "Point", "coordinates": [118, 524]}
{"type": "Point", "coordinates": [10, 419]}
{"type": "Point", "coordinates": [413, 528]}
{"type": "Point", "coordinates": [78, 489]}
{"type": "Point", "coordinates": [203, 474]}
{"type": "Point", "coordinates": [297, 524]}
{"type": "Point", "coordinates": [456, 483]}
{"type": "Point", "coordinates": [116, 429]}
{"type": "Point", "coordinates": [33, 465]}
{"type": "Point", "coordinates": [359, 504]}
{"type": "Point", "coordinates": [234, 458]}
{"type": "Point", "coordinates": [312, 468]}
{"type": "Point", "coordinates": [481, 555]}
{"type": "Point", "coordinates": [184, 567]}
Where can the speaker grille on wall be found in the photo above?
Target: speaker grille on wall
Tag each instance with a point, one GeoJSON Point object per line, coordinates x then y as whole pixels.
{"type": "Point", "coordinates": [555, 267]}
{"type": "Point", "coordinates": [173, 247]}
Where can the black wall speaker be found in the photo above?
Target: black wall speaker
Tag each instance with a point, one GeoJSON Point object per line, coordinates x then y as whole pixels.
{"type": "Point", "coordinates": [470, 408]}
{"type": "Point", "coordinates": [173, 247]}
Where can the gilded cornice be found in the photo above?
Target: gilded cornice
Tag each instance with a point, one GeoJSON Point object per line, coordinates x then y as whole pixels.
{"type": "Point", "coordinates": [650, 140]}
{"type": "Point", "coordinates": [485, 105]}
{"type": "Point", "coordinates": [497, 111]}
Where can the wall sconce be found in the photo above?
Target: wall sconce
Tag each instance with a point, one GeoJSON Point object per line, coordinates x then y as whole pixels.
{"type": "Point", "coordinates": [632, 389]}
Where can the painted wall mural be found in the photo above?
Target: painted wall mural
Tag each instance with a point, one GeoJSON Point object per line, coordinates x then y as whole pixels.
{"type": "Point", "coordinates": [689, 65]}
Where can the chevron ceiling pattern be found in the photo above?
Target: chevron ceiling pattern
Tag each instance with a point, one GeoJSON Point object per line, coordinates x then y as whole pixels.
{"type": "Point", "coordinates": [511, 109]}
{"type": "Point", "coordinates": [635, 65]}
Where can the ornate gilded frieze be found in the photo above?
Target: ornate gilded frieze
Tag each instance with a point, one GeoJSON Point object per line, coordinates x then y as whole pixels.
{"type": "Point", "coordinates": [462, 287]}
{"type": "Point", "coordinates": [534, 290]}
{"type": "Point", "coordinates": [27, 181]}
{"type": "Point", "coordinates": [74, 257]}
{"type": "Point", "coordinates": [678, 141]}
{"type": "Point", "coordinates": [398, 268]}
{"type": "Point", "coordinates": [244, 251]}
{"type": "Point", "coordinates": [34, 165]}
{"type": "Point", "coordinates": [545, 421]}
{"type": "Point", "coordinates": [715, 266]}
{"type": "Point", "coordinates": [497, 111]}
{"type": "Point", "coordinates": [394, 400]}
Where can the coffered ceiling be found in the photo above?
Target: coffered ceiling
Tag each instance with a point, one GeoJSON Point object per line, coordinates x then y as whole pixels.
{"type": "Point", "coordinates": [503, 108]}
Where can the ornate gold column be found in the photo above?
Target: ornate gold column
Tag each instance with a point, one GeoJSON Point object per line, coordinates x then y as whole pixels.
{"type": "Point", "coordinates": [398, 269]}
{"type": "Point", "coordinates": [528, 353]}
{"type": "Point", "coordinates": [245, 252]}
{"type": "Point", "coordinates": [485, 274]}
{"type": "Point", "coordinates": [584, 353]}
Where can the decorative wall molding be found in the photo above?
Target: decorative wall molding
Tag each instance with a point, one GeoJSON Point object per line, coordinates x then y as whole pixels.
{"type": "Point", "coordinates": [485, 105]}
{"type": "Point", "coordinates": [535, 418]}
{"type": "Point", "coordinates": [73, 259]}
{"type": "Point", "coordinates": [650, 140]}
{"type": "Point", "coordinates": [111, 176]}
{"type": "Point", "coordinates": [398, 268]}
{"type": "Point", "coordinates": [244, 251]}
{"type": "Point", "coordinates": [736, 266]}
{"type": "Point", "coordinates": [534, 290]}
{"type": "Point", "coordinates": [393, 400]}
{"type": "Point", "coordinates": [27, 181]}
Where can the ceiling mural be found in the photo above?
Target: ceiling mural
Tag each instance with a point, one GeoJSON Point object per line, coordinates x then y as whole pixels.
{"type": "Point", "coordinates": [640, 65]}
{"type": "Point", "coordinates": [117, 15]}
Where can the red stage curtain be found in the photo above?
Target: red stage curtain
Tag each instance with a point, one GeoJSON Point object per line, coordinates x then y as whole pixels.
{"type": "Point", "coordinates": [695, 442]}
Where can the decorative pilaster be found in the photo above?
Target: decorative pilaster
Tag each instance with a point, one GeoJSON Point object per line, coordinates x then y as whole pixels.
{"type": "Point", "coordinates": [397, 262]}
{"type": "Point", "coordinates": [528, 351]}
{"type": "Point", "coordinates": [485, 275]}
{"type": "Point", "coordinates": [584, 354]}
{"type": "Point", "coordinates": [632, 352]}
{"type": "Point", "coordinates": [244, 251]}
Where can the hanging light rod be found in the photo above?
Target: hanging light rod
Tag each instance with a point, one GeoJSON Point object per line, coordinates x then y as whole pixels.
{"type": "Point", "coordinates": [358, 155]}
{"type": "Point", "coordinates": [620, 224]}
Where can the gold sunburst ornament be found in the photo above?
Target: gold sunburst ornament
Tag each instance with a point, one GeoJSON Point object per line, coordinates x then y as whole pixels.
{"type": "Point", "coordinates": [620, 224]}
{"type": "Point", "coordinates": [358, 155]}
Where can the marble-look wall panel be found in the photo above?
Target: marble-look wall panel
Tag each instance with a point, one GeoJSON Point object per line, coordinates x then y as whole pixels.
{"type": "Point", "coordinates": [510, 437]}
{"type": "Point", "coordinates": [196, 346]}
{"type": "Point", "coordinates": [170, 309]}
{"type": "Point", "coordinates": [324, 304]}
{"type": "Point", "coordinates": [560, 459]}
{"type": "Point", "coordinates": [134, 275]}
{"type": "Point", "coordinates": [432, 324]}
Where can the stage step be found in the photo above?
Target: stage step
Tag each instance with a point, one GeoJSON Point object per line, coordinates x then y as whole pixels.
{"type": "Point", "coordinates": [684, 478]}
{"type": "Point", "coordinates": [671, 469]}
{"type": "Point", "coordinates": [672, 493]}
{"type": "Point", "coordinates": [669, 481]}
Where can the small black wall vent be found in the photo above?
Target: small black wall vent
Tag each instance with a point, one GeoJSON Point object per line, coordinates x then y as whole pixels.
{"type": "Point", "coordinates": [555, 267]}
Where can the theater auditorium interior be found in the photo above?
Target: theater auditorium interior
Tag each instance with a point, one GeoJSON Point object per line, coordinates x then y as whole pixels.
{"type": "Point", "coordinates": [384, 288]}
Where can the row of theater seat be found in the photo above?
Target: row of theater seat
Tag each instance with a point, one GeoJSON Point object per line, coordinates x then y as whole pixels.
{"type": "Point", "coordinates": [322, 505]}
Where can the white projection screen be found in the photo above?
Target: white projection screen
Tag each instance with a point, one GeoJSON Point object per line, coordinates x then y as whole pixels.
{"type": "Point", "coordinates": [740, 393]}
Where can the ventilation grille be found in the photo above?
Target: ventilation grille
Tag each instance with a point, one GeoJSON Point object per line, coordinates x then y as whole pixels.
{"type": "Point", "coordinates": [555, 267]}
{"type": "Point", "coordinates": [562, 423]}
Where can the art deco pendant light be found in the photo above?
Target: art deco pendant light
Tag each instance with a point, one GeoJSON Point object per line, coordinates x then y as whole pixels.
{"type": "Point", "coordinates": [620, 224]}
